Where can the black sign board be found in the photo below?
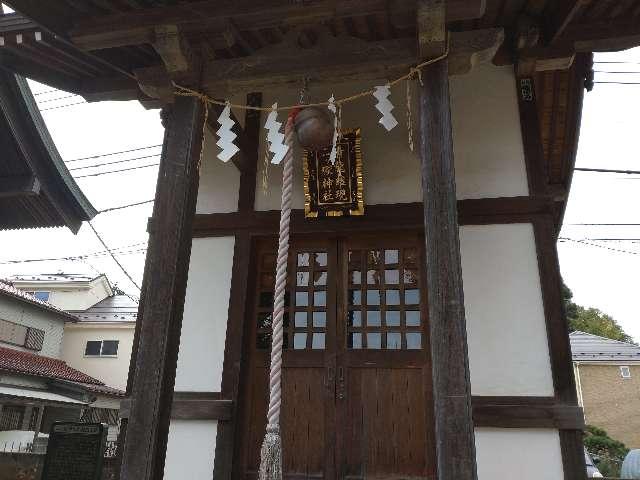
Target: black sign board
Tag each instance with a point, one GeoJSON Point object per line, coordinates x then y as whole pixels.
{"type": "Point", "coordinates": [75, 451]}
{"type": "Point", "coordinates": [334, 189]}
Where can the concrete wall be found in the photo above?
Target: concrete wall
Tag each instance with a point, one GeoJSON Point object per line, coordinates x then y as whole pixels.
{"type": "Point", "coordinates": [612, 402]}
{"type": "Point", "coordinates": [113, 371]}
{"type": "Point", "coordinates": [31, 316]}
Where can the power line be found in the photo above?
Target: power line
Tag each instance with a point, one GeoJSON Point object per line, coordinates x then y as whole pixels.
{"type": "Point", "coordinates": [117, 171]}
{"type": "Point", "coordinates": [112, 153]}
{"type": "Point", "coordinates": [119, 250]}
{"type": "Point", "coordinates": [113, 256]}
{"type": "Point", "coordinates": [611, 239]}
{"type": "Point", "coordinates": [618, 83]}
{"type": "Point", "coordinates": [56, 99]}
{"type": "Point", "coordinates": [63, 106]}
{"type": "Point", "coordinates": [606, 224]}
{"type": "Point", "coordinates": [606, 170]}
{"type": "Point", "coordinates": [596, 245]}
{"type": "Point", "coordinates": [125, 206]}
{"type": "Point", "coordinates": [625, 62]}
{"type": "Point", "coordinates": [113, 163]}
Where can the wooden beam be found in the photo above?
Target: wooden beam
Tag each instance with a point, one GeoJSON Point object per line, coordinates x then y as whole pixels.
{"type": "Point", "coordinates": [473, 47]}
{"type": "Point", "coordinates": [526, 412]}
{"type": "Point", "coordinates": [454, 431]}
{"type": "Point", "coordinates": [173, 47]}
{"type": "Point", "coordinates": [200, 406]}
{"type": "Point", "coordinates": [432, 36]}
{"type": "Point", "coordinates": [164, 290]}
{"type": "Point", "coordinates": [558, 17]}
{"type": "Point", "coordinates": [136, 27]}
{"type": "Point", "coordinates": [19, 186]}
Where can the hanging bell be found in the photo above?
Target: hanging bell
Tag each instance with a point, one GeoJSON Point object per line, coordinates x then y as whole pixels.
{"type": "Point", "coordinates": [314, 127]}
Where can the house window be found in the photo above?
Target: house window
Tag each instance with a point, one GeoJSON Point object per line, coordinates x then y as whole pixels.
{"type": "Point", "coordinates": [11, 417]}
{"type": "Point", "coordinates": [101, 348]}
{"type": "Point", "coordinates": [625, 372]}
{"type": "Point", "coordinates": [41, 295]}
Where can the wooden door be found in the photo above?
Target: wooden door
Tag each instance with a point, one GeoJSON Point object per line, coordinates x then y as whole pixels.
{"type": "Point", "coordinates": [383, 380]}
{"type": "Point", "coordinates": [356, 400]}
{"type": "Point", "coordinates": [308, 388]}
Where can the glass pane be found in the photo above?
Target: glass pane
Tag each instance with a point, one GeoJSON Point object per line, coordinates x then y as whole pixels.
{"type": "Point", "coordinates": [320, 298]}
{"type": "Point", "coordinates": [410, 275]}
{"type": "Point", "coordinates": [373, 277]}
{"type": "Point", "coordinates": [303, 259]}
{"type": "Point", "coordinates": [373, 257]}
{"type": "Point", "coordinates": [264, 320]}
{"type": "Point", "coordinates": [110, 347]}
{"type": "Point", "coordinates": [266, 299]}
{"type": "Point", "coordinates": [300, 319]}
{"type": "Point", "coordinates": [354, 340]}
{"type": "Point", "coordinates": [394, 341]}
{"type": "Point", "coordinates": [373, 318]}
{"type": "Point", "coordinates": [355, 297]}
{"type": "Point", "coordinates": [356, 277]}
{"type": "Point", "coordinates": [319, 278]}
{"type": "Point", "coordinates": [412, 297]}
{"type": "Point", "coordinates": [392, 318]}
{"type": "Point", "coordinates": [392, 297]}
{"type": "Point", "coordinates": [302, 299]}
{"type": "Point", "coordinates": [302, 279]}
{"type": "Point", "coordinates": [354, 258]}
{"type": "Point", "coordinates": [373, 297]}
{"type": "Point", "coordinates": [414, 340]}
{"type": "Point", "coordinates": [321, 259]}
{"type": "Point", "coordinates": [392, 276]}
{"type": "Point", "coordinates": [390, 256]}
{"type": "Point", "coordinates": [93, 347]}
{"type": "Point", "coordinates": [299, 341]}
{"type": "Point", "coordinates": [410, 255]}
{"type": "Point", "coordinates": [267, 281]}
{"type": "Point", "coordinates": [319, 319]}
{"type": "Point", "coordinates": [354, 318]}
{"type": "Point", "coordinates": [263, 340]}
{"type": "Point", "coordinates": [374, 340]}
{"type": "Point", "coordinates": [317, 341]}
{"type": "Point", "coordinates": [412, 318]}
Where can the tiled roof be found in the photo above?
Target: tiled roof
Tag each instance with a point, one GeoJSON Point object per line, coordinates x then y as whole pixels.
{"type": "Point", "coordinates": [40, 366]}
{"type": "Point", "coordinates": [9, 290]}
{"type": "Point", "coordinates": [587, 347]}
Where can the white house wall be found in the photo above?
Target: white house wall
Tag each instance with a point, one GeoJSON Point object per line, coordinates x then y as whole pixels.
{"type": "Point", "coordinates": [206, 309]}
{"type": "Point", "coordinates": [31, 316]}
{"type": "Point", "coordinates": [487, 143]}
{"type": "Point", "coordinates": [506, 330]}
{"type": "Point", "coordinates": [522, 453]}
{"type": "Point", "coordinates": [113, 371]}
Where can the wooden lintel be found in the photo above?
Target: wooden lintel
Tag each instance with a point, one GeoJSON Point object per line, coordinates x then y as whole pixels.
{"type": "Point", "coordinates": [19, 186]}
{"type": "Point", "coordinates": [155, 82]}
{"type": "Point", "coordinates": [173, 47]}
{"type": "Point", "coordinates": [541, 59]}
{"type": "Point", "coordinates": [473, 47]}
{"type": "Point", "coordinates": [137, 26]}
{"type": "Point", "coordinates": [199, 406]}
{"type": "Point", "coordinates": [526, 412]}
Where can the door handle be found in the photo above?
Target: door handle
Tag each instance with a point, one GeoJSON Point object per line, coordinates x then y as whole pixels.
{"type": "Point", "coordinates": [329, 378]}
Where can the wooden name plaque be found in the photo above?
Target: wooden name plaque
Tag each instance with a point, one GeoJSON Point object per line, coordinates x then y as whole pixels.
{"type": "Point", "coordinates": [75, 451]}
{"type": "Point", "coordinates": [334, 189]}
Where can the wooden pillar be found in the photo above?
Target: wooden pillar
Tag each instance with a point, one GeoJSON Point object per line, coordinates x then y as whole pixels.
{"type": "Point", "coordinates": [163, 293]}
{"type": "Point", "coordinates": [455, 445]}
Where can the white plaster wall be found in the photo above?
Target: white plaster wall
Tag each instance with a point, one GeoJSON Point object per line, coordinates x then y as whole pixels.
{"type": "Point", "coordinates": [506, 330]}
{"type": "Point", "coordinates": [489, 158]}
{"type": "Point", "coordinates": [113, 371]}
{"type": "Point", "coordinates": [219, 181]}
{"type": "Point", "coordinates": [31, 316]}
{"type": "Point", "coordinates": [190, 449]}
{"type": "Point", "coordinates": [487, 140]}
{"type": "Point", "coordinates": [206, 309]}
{"type": "Point", "coordinates": [522, 453]}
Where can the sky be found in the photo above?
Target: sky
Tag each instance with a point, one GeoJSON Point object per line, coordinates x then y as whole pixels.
{"type": "Point", "coordinates": [601, 274]}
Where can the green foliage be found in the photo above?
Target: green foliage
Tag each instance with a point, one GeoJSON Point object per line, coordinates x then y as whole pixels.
{"type": "Point", "coordinates": [610, 452]}
{"type": "Point", "coordinates": [591, 320]}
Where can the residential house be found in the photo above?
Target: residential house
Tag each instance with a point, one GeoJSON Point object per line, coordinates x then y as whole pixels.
{"type": "Point", "coordinates": [37, 387]}
{"type": "Point", "coordinates": [407, 293]}
{"type": "Point", "coordinates": [100, 341]}
{"type": "Point", "coordinates": [607, 376]}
